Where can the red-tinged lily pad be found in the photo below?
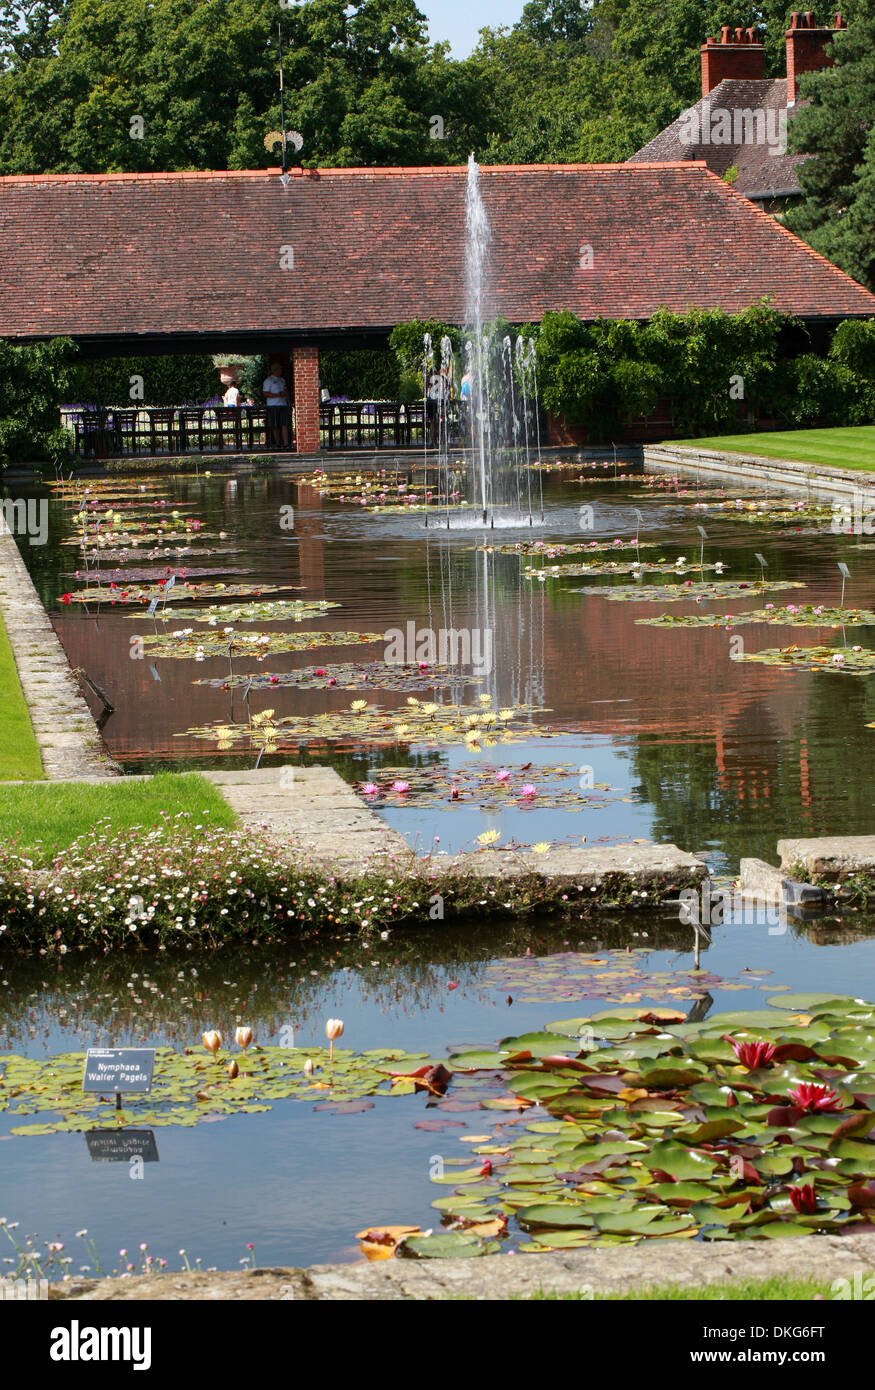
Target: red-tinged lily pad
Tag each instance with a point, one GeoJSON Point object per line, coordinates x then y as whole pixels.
{"type": "Point", "coordinates": [345, 1107]}
{"type": "Point", "coordinates": [435, 1126]}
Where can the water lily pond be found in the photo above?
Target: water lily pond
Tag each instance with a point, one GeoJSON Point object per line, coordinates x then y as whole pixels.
{"type": "Point", "coordinates": [517, 1087]}
{"type": "Point", "coordinates": [575, 709]}
{"type": "Point", "coordinates": [298, 1164]}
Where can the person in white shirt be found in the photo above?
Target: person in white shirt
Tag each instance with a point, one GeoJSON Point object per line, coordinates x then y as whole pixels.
{"type": "Point", "coordinates": [276, 396]}
{"type": "Point", "coordinates": [232, 395]}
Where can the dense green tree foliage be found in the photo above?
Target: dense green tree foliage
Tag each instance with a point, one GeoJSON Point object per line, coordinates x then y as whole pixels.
{"type": "Point", "coordinates": [717, 370]}
{"type": "Point", "coordinates": [33, 384]}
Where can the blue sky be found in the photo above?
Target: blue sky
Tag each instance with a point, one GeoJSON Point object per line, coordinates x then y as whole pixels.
{"type": "Point", "coordinates": [460, 20]}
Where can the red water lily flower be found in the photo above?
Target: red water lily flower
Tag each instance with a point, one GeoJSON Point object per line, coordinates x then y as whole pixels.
{"type": "Point", "coordinates": [803, 1198]}
{"type": "Point", "coordinates": [66, 598]}
{"type": "Point", "coordinates": [810, 1095]}
{"type": "Point", "coordinates": [752, 1055]}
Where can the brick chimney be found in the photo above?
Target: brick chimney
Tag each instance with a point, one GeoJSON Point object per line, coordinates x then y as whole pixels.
{"type": "Point", "coordinates": [739, 54]}
{"type": "Point", "coordinates": [806, 42]}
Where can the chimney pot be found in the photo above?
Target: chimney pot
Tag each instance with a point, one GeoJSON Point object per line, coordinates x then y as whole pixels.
{"type": "Point", "coordinates": [727, 60]}
{"type": "Point", "coordinates": [810, 21]}
{"type": "Point", "coordinates": [794, 20]}
{"type": "Point", "coordinates": [839, 22]}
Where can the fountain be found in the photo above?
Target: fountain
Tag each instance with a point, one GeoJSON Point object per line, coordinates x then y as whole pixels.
{"type": "Point", "coordinates": [503, 422]}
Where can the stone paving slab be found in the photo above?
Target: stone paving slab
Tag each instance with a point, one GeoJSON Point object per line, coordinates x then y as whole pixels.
{"type": "Point", "coordinates": [830, 855]}
{"type": "Point", "coordinates": [495, 1277]}
{"type": "Point", "coordinates": [640, 864]}
{"type": "Point", "coordinates": [317, 810]}
{"type": "Point", "coordinates": [69, 742]}
{"type": "Point", "coordinates": [760, 880]}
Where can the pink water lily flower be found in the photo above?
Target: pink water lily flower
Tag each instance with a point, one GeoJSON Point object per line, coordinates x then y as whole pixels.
{"type": "Point", "coordinates": [502, 775]}
{"type": "Point", "coordinates": [752, 1055]}
{"type": "Point", "coordinates": [528, 790]}
{"type": "Point", "coordinates": [370, 788]}
{"type": "Point", "coordinates": [810, 1095]}
{"type": "Point", "coordinates": [401, 787]}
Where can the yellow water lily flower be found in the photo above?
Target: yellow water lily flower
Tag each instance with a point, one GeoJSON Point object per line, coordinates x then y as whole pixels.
{"type": "Point", "coordinates": [429, 709]}
{"type": "Point", "coordinates": [489, 837]}
{"type": "Point", "coordinates": [402, 729]}
{"type": "Point", "coordinates": [485, 699]}
{"type": "Point", "coordinates": [505, 714]}
{"type": "Point", "coordinates": [412, 700]}
{"type": "Point", "coordinates": [359, 705]}
{"type": "Point", "coordinates": [541, 847]}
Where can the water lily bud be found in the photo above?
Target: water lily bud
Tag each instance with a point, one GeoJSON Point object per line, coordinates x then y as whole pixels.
{"type": "Point", "coordinates": [308, 1067]}
{"type": "Point", "coordinates": [233, 1069]}
{"type": "Point", "coordinates": [333, 1029]}
{"type": "Point", "coordinates": [212, 1040]}
{"type": "Point", "coordinates": [243, 1037]}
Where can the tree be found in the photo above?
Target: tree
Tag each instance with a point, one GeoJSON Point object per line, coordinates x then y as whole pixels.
{"type": "Point", "coordinates": [837, 127]}
{"type": "Point", "coordinates": [33, 382]}
{"type": "Point", "coordinates": [119, 85]}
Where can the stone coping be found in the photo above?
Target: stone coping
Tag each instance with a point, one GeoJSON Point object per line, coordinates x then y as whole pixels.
{"type": "Point", "coordinates": [822, 480]}
{"type": "Point", "coordinates": [830, 855]}
{"type": "Point", "coordinates": [69, 743]}
{"type": "Point", "coordinates": [612, 1270]}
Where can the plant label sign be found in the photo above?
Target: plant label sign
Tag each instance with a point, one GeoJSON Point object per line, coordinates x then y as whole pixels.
{"type": "Point", "coordinates": [118, 1069]}
{"type": "Point", "coordinates": [120, 1146]}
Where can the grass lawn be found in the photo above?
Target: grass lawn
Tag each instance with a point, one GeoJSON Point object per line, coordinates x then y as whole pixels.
{"type": "Point", "coordinates": [49, 816]}
{"type": "Point", "coordinates": [748, 1290]}
{"type": "Point", "coordinates": [839, 448]}
{"type": "Point", "coordinates": [19, 752]}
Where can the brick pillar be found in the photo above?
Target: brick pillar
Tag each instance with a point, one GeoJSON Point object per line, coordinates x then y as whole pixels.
{"type": "Point", "coordinates": [305, 374]}
{"type": "Point", "coordinates": [739, 54]}
{"type": "Point", "coordinates": [806, 42]}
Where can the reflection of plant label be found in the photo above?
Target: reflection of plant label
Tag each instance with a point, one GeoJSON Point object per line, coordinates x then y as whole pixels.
{"type": "Point", "coordinates": [109, 1146]}
{"type": "Point", "coordinates": [118, 1069]}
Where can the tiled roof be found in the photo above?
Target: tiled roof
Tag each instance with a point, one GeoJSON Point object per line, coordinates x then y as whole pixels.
{"type": "Point", "coordinates": [761, 174]}
{"type": "Point", "coordinates": [99, 256]}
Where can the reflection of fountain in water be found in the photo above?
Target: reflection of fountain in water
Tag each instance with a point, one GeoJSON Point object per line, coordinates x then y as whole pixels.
{"type": "Point", "coordinates": [500, 423]}
{"type": "Point", "coordinates": [467, 592]}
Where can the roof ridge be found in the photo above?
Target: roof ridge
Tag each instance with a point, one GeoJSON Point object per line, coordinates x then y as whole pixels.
{"type": "Point", "coordinates": [344, 171]}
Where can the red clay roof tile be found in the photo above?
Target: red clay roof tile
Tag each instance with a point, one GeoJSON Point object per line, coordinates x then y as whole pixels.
{"type": "Point", "coordinates": [200, 253]}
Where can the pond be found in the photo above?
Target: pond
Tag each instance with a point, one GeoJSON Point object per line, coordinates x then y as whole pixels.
{"type": "Point", "coordinates": [602, 727]}
{"type": "Point", "coordinates": [623, 730]}
{"type": "Point", "coordinates": [299, 1182]}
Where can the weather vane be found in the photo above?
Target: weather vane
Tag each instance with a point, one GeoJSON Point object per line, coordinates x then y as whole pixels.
{"type": "Point", "coordinates": [283, 137]}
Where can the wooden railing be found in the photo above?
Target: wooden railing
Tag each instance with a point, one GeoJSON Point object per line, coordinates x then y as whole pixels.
{"type": "Point", "coordinates": [175, 430]}
{"type": "Point", "coordinates": [378, 424]}
{"type": "Point", "coordinates": [170, 430]}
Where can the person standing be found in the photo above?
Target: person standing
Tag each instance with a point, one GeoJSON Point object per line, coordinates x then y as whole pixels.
{"type": "Point", "coordinates": [276, 396]}
{"type": "Point", "coordinates": [465, 402]}
{"type": "Point", "coordinates": [433, 397]}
